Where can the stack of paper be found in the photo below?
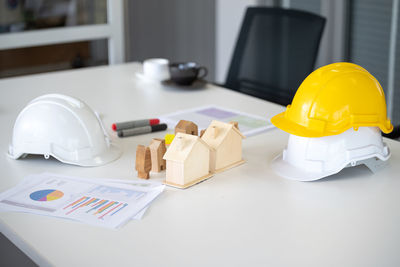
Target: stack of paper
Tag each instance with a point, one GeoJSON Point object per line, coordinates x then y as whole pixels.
{"type": "Point", "coordinates": [103, 202]}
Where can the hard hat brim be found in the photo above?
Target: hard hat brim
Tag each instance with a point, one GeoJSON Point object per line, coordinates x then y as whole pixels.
{"type": "Point", "coordinates": [281, 122]}
{"type": "Point", "coordinates": [293, 128]}
{"type": "Point", "coordinates": [109, 155]}
{"type": "Point", "coordinates": [286, 170]}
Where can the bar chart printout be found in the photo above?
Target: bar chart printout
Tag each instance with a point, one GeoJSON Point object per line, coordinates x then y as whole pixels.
{"type": "Point", "coordinates": [103, 203]}
{"type": "Point", "coordinates": [97, 207]}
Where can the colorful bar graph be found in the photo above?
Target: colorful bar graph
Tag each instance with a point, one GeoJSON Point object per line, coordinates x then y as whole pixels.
{"type": "Point", "coordinates": [93, 200]}
{"type": "Point", "coordinates": [119, 209]}
{"type": "Point", "coordinates": [94, 206]}
{"type": "Point", "coordinates": [101, 217]}
{"type": "Point", "coordinates": [101, 203]}
{"type": "Point", "coordinates": [106, 207]}
{"type": "Point", "coordinates": [83, 203]}
{"type": "Point", "coordinates": [73, 203]}
{"type": "Point", "coordinates": [80, 203]}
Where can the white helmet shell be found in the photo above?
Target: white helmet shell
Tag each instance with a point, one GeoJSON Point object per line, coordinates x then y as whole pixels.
{"type": "Point", "coordinates": [65, 128]}
{"type": "Point", "coordinates": [308, 159]}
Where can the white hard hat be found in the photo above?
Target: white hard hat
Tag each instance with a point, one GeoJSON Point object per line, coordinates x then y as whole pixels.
{"type": "Point", "coordinates": [308, 159]}
{"type": "Point", "coordinates": [65, 128]}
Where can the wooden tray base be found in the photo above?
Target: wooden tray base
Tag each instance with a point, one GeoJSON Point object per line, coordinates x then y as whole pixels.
{"type": "Point", "coordinates": [230, 166]}
{"type": "Point", "coordinates": [205, 177]}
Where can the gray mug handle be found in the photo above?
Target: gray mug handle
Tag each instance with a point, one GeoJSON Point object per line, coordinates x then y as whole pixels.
{"type": "Point", "coordinates": [204, 74]}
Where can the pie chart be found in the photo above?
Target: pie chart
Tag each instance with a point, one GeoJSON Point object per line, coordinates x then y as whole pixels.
{"type": "Point", "coordinates": [46, 195]}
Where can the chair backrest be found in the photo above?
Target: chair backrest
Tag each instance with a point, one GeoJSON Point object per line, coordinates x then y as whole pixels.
{"type": "Point", "coordinates": [275, 52]}
{"type": "Point", "coordinates": [395, 134]}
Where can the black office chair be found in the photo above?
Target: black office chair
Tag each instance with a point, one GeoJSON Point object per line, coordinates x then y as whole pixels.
{"type": "Point", "coordinates": [275, 52]}
{"type": "Point", "coordinates": [395, 134]}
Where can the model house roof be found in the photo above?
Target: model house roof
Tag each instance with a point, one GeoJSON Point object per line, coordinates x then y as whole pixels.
{"type": "Point", "coordinates": [217, 132]}
{"type": "Point", "coordinates": [182, 124]}
{"type": "Point", "coordinates": [182, 146]}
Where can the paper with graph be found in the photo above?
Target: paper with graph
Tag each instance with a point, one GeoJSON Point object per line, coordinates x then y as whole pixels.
{"type": "Point", "coordinates": [102, 202]}
{"type": "Point", "coordinates": [249, 124]}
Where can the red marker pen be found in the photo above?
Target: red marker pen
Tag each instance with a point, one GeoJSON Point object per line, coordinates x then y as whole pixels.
{"type": "Point", "coordinates": [133, 124]}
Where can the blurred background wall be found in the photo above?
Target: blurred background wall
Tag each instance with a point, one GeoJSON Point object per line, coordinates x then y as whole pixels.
{"type": "Point", "coordinates": [175, 29]}
{"type": "Point", "coordinates": [360, 31]}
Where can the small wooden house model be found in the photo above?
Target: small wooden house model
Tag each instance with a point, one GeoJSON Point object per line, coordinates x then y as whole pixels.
{"type": "Point", "coordinates": [188, 161]}
{"type": "Point", "coordinates": [157, 151]}
{"type": "Point", "coordinates": [187, 127]}
{"type": "Point", "coordinates": [226, 142]}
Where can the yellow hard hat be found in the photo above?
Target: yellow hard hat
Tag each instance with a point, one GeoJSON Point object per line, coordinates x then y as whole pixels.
{"type": "Point", "coordinates": [333, 99]}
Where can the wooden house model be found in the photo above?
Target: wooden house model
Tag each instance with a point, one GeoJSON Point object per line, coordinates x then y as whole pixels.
{"type": "Point", "coordinates": [188, 161]}
{"type": "Point", "coordinates": [187, 127]}
{"type": "Point", "coordinates": [226, 142]}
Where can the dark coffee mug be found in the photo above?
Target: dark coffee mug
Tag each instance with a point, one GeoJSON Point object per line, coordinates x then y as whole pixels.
{"type": "Point", "coordinates": [185, 73]}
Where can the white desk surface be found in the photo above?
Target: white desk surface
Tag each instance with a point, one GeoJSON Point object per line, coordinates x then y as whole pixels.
{"type": "Point", "coordinates": [247, 216]}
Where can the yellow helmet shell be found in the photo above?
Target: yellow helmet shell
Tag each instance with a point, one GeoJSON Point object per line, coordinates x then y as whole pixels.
{"type": "Point", "coordinates": [333, 99]}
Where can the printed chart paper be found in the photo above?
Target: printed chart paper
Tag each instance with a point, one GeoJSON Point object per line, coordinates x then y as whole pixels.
{"type": "Point", "coordinates": [249, 124]}
{"type": "Point", "coordinates": [103, 202]}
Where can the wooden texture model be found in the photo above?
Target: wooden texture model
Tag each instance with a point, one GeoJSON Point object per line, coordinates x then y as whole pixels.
{"type": "Point", "coordinates": [226, 142]}
{"type": "Point", "coordinates": [188, 161]}
{"type": "Point", "coordinates": [187, 127]}
{"type": "Point", "coordinates": [143, 161]}
{"type": "Point", "coordinates": [157, 151]}
{"type": "Point", "coordinates": [235, 123]}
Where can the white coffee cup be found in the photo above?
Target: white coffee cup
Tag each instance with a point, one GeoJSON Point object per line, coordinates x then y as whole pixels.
{"type": "Point", "coordinates": [156, 69]}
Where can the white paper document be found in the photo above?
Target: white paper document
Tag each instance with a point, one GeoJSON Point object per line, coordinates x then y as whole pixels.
{"type": "Point", "coordinates": [102, 202]}
{"type": "Point", "coordinates": [249, 124]}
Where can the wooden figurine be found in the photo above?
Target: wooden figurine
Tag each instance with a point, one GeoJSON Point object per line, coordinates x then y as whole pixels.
{"type": "Point", "coordinates": [188, 161]}
{"type": "Point", "coordinates": [226, 142]}
{"type": "Point", "coordinates": [143, 161]}
{"type": "Point", "coordinates": [187, 127]}
{"type": "Point", "coordinates": [157, 151]}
